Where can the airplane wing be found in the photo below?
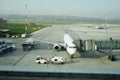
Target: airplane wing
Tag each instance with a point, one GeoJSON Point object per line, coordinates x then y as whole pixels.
{"type": "Point", "coordinates": [49, 42]}
{"type": "Point", "coordinates": [55, 45]}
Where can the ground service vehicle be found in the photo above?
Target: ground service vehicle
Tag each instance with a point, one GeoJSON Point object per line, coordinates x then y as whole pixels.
{"type": "Point", "coordinates": [56, 59]}
{"type": "Point", "coordinates": [41, 60]}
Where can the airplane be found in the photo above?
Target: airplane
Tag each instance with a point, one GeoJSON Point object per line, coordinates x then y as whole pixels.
{"type": "Point", "coordinates": [68, 44]}
{"type": "Point", "coordinates": [101, 27]}
{"type": "Point", "coordinates": [29, 44]}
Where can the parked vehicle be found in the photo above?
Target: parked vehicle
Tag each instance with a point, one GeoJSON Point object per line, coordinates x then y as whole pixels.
{"type": "Point", "coordinates": [3, 49]}
{"type": "Point", "coordinates": [6, 47]}
{"type": "Point", "coordinates": [10, 45]}
{"type": "Point", "coordinates": [56, 59]}
{"type": "Point", "coordinates": [23, 35]}
{"type": "Point", "coordinates": [41, 60]}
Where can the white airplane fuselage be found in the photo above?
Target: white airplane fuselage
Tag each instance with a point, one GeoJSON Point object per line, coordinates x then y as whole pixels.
{"type": "Point", "coordinates": [70, 46]}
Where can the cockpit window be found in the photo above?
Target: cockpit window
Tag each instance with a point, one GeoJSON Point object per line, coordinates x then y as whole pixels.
{"type": "Point", "coordinates": [72, 47]}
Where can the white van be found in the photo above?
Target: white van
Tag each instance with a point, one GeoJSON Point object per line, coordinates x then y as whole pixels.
{"type": "Point", "coordinates": [23, 35]}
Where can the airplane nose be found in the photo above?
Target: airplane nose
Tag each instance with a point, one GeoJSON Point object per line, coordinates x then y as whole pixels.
{"type": "Point", "coordinates": [71, 51]}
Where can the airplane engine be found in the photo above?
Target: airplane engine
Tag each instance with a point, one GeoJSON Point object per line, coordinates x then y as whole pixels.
{"type": "Point", "coordinates": [57, 47]}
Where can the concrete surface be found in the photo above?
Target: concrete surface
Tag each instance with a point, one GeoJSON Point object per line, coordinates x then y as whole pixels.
{"type": "Point", "coordinates": [87, 62]}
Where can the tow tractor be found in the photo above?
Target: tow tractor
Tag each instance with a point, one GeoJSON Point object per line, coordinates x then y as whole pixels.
{"type": "Point", "coordinates": [41, 60]}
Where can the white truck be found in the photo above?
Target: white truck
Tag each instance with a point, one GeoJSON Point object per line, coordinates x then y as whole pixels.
{"type": "Point", "coordinates": [56, 59]}
{"type": "Point", "coordinates": [23, 35]}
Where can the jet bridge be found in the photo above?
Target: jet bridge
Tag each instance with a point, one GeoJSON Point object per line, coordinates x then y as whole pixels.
{"type": "Point", "coordinates": [107, 44]}
{"type": "Point", "coordinates": [86, 45]}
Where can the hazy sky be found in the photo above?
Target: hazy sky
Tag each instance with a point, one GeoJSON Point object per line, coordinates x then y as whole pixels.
{"type": "Point", "coordinates": [82, 8]}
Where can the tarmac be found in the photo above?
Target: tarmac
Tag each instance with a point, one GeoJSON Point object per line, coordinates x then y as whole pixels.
{"type": "Point", "coordinates": [92, 62]}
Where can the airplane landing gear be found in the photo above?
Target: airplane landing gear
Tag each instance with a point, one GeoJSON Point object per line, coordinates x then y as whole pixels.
{"type": "Point", "coordinates": [71, 58]}
{"type": "Point", "coordinates": [114, 57]}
